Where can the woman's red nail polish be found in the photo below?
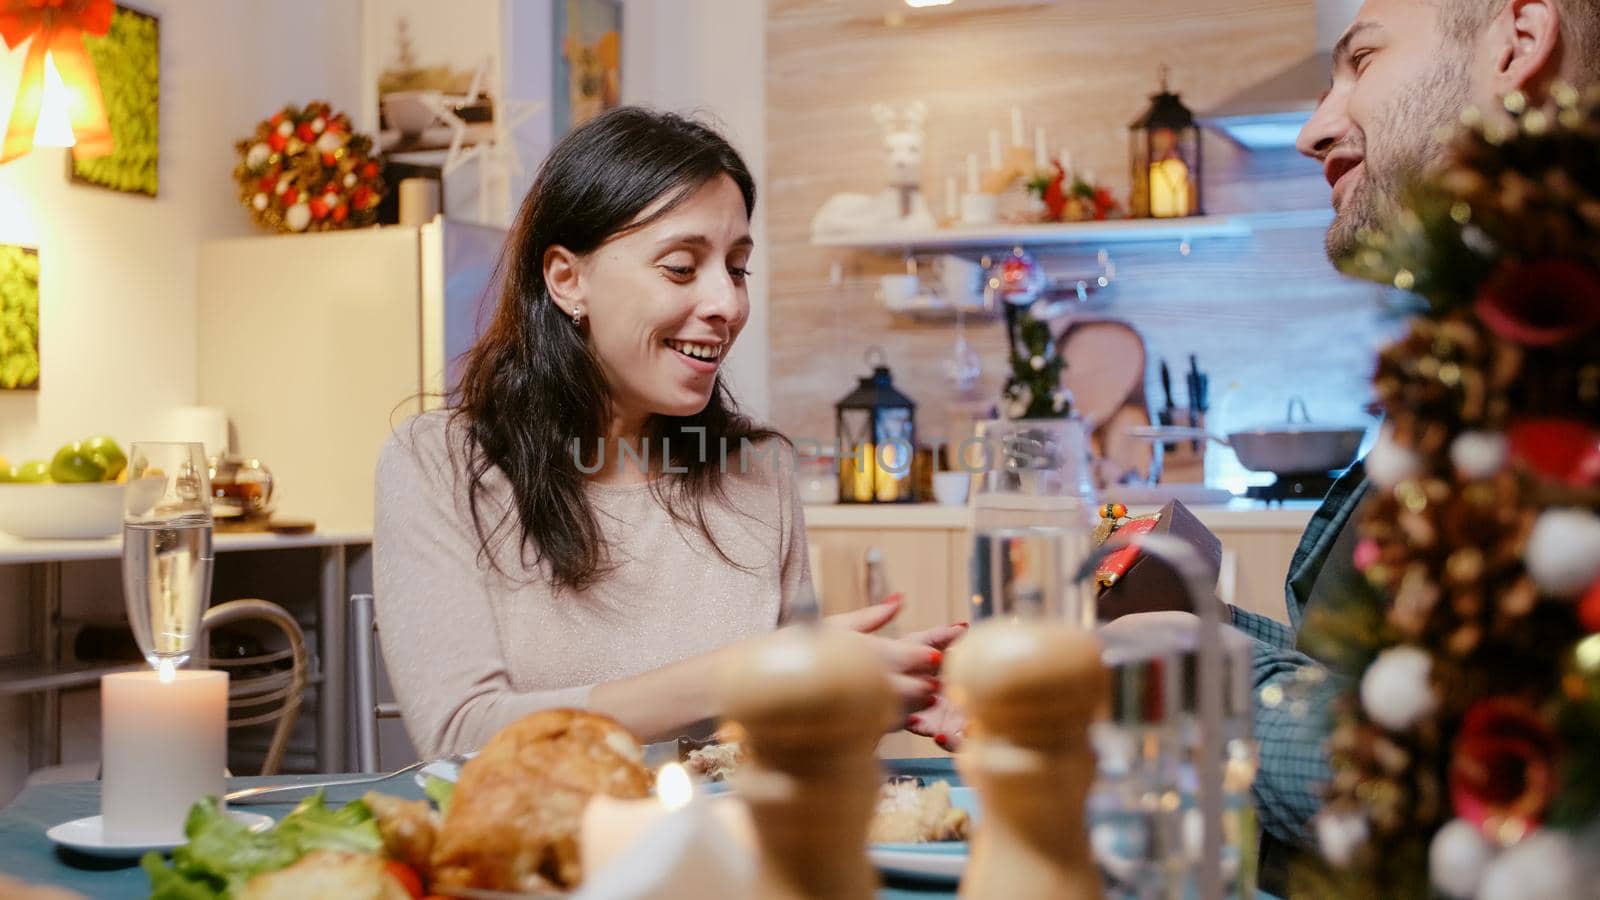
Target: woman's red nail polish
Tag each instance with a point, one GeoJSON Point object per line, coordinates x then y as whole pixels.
{"type": "Point", "coordinates": [935, 657]}
{"type": "Point", "coordinates": [913, 721]}
{"type": "Point", "coordinates": [895, 599]}
{"type": "Point", "coordinates": [941, 739]}
{"type": "Point", "coordinates": [933, 684]}
{"type": "Point", "coordinates": [929, 701]}
{"type": "Point", "coordinates": [963, 624]}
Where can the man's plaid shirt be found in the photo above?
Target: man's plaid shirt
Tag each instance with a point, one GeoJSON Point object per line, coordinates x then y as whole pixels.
{"type": "Point", "coordinates": [1293, 693]}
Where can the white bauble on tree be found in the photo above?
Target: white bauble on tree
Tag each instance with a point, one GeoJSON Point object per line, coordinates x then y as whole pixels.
{"type": "Point", "coordinates": [1478, 454]}
{"type": "Point", "coordinates": [1457, 858]}
{"type": "Point", "coordinates": [1389, 463]}
{"type": "Point", "coordinates": [1340, 835]}
{"type": "Point", "coordinates": [1563, 551]}
{"type": "Point", "coordinates": [1544, 866]}
{"type": "Point", "coordinates": [1395, 690]}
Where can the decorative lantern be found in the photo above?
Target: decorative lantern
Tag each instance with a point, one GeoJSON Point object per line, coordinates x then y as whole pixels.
{"type": "Point", "coordinates": [877, 439]}
{"type": "Point", "coordinates": [1164, 145]}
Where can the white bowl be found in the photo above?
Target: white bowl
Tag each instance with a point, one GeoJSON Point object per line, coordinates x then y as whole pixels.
{"type": "Point", "coordinates": [66, 511]}
{"type": "Point", "coordinates": [410, 112]}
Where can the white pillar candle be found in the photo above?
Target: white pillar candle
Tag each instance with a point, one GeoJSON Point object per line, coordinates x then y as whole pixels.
{"type": "Point", "coordinates": [163, 746]}
{"type": "Point", "coordinates": [1041, 156]}
{"type": "Point", "coordinates": [1066, 165]}
{"type": "Point", "coordinates": [610, 826]}
{"type": "Point", "coordinates": [1016, 126]}
{"type": "Point", "coordinates": [951, 207]}
{"type": "Point", "coordinates": [994, 149]}
{"type": "Point", "coordinates": [972, 173]}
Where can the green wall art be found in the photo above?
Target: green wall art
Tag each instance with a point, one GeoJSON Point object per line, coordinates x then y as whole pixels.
{"type": "Point", "coordinates": [19, 318]}
{"type": "Point", "coordinates": [127, 61]}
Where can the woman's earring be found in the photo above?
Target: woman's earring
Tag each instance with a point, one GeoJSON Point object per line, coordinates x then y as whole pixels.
{"type": "Point", "coordinates": [577, 315]}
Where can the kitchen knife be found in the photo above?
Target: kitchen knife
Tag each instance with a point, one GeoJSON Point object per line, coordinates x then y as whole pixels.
{"type": "Point", "coordinates": [1166, 389]}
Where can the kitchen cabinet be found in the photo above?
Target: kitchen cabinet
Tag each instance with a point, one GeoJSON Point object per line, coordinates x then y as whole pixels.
{"type": "Point", "coordinates": [924, 547]}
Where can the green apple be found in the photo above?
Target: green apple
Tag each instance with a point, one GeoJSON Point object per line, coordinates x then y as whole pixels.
{"type": "Point", "coordinates": [35, 471]}
{"type": "Point", "coordinates": [74, 465]}
{"type": "Point", "coordinates": [103, 450]}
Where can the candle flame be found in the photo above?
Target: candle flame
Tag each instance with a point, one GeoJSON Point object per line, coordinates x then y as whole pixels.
{"type": "Point", "coordinates": [673, 786]}
{"type": "Point", "coordinates": [167, 671]}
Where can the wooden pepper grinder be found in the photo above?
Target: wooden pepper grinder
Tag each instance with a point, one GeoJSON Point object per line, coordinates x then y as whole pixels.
{"type": "Point", "coordinates": [1029, 691]}
{"type": "Point", "coordinates": [813, 702]}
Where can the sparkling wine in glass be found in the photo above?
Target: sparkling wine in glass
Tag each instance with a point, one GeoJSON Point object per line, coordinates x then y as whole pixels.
{"type": "Point", "coordinates": [166, 548]}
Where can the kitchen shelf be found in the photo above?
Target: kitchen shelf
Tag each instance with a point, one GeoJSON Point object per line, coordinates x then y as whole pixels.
{"type": "Point", "coordinates": [1001, 237]}
{"type": "Point", "coordinates": [28, 678]}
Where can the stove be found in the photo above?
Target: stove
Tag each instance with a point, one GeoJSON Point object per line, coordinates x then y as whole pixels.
{"type": "Point", "coordinates": [1309, 486]}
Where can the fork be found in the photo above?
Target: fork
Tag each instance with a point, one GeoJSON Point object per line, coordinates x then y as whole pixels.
{"type": "Point", "coordinates": [250, 794]}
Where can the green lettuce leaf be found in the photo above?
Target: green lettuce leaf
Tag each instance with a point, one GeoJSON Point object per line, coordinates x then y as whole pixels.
{"type": "Point", "coordinates": [441, 792]}
{"type": "Point", "coordinates": [222, 855]}
{"type": "Point", "coordinates": [313, 826]}
{"type": "Point", "coordinates": [167, 883]}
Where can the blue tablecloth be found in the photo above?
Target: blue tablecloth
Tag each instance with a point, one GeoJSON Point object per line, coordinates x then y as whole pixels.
{"type": "Point", "coordinates": [27, 854]}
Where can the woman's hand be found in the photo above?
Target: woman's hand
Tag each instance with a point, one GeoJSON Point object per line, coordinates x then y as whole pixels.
{"type": "Point", "coordinates": [941, 721]}
{"type": "Point", "coordinates": [913, 661]}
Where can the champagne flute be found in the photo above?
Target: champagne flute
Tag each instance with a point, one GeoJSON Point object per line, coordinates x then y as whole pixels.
{"type": "Point", "coordinates": [166, 548]}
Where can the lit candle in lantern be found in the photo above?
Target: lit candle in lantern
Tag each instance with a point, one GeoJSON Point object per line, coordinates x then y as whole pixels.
{"type": "Point", "coordinates": [1169, 189]}
{"type": "Point", "coordinates": [1041, 156]}
{"type": "Point", "coordinates": [865, 472]}
{"type": "Point", "coordinates": [163, 738]}
{"type": "Point", "coordinates": [611, 827]}
{"type": "Point", "coordinates": [1016, 126]}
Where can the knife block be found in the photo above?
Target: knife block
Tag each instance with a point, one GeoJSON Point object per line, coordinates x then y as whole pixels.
{"type": "Point", "coordinates": [1184, 462]}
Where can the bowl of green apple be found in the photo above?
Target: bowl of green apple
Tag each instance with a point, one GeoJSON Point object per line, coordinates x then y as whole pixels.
{"type": "Point", "coordinates": [75, 495]}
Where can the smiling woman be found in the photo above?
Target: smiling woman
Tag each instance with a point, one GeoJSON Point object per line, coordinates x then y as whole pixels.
{"type": "Point", "coordinates": [592, 523]}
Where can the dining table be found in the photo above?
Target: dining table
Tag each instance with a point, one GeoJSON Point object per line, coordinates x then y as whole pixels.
{"type": "Point", "coordinates": [28, 855]}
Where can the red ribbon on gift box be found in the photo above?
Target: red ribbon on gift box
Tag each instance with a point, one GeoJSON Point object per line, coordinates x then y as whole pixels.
{"type": "Point", "coordinates": [1117, 563]}
{"type": "Point", "coordinates": [57, 27]}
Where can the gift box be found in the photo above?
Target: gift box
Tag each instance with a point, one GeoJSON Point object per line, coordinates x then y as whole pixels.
{"type": "Point", "coordinates": [1134, 582]}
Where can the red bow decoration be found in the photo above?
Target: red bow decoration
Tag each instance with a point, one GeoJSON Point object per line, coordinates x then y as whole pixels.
{"type": "Point", "coordinates": [57, 27]}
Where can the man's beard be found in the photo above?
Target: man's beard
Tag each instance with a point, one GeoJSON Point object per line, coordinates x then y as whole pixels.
{"type": "Point", "coordinates": [1408, 145]}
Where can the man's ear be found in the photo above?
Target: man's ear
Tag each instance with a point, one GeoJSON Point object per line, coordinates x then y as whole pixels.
{"type": "Point", "coordinates": [1524, 40]}
{"type": "Point", "coordinates": [563, 278]}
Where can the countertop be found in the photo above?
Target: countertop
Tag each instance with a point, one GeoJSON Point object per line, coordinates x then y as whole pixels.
{"type": "Point", "coordinates": [1238, 515]}
{"type": "Point", "coordinates": [15, 551]}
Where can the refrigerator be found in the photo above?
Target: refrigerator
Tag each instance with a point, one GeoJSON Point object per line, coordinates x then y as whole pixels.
{"type": "Point", "coordinates": [317, 346]}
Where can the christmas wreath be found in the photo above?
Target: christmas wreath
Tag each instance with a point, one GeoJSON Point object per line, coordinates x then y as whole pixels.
{"type": "Point", "coordinates": [1466, 758]}
{"type": "Point", "coordinates": [306, 170]}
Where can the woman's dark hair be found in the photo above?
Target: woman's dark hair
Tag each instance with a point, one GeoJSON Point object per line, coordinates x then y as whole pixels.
{"type": "Point", "coordinates": [532, 386]}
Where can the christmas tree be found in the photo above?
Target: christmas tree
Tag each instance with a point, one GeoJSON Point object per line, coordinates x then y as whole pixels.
{"type": "Point", "coordinates": [1466, 757]}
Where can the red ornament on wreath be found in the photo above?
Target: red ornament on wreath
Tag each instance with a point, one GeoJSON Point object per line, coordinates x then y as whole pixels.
{"type": "Point", "coordinates": [306, 170]}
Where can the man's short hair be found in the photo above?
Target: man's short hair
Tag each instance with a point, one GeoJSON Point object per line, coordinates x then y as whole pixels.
{"type": "Point", "coordinates": [1464, 20]}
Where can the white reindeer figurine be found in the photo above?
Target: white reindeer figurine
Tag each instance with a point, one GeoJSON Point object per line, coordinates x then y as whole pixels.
{"type": "Point", "coordinates": [898, 207]}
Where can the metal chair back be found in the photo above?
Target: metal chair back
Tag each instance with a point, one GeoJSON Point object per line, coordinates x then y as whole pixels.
{"type": "Point", "coordinates": [364, 677]}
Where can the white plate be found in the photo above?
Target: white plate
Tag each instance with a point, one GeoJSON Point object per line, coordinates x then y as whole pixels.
{"type": "Point", "coordinates": [442, 769]}
{"type": "Point", "coordinates": [939, 861]}
{"type": "Point", "coordinates": [87, 836]}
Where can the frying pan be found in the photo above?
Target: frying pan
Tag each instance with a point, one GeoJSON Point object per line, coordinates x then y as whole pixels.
{"type": "Point", "coordinates": [1295, 447]}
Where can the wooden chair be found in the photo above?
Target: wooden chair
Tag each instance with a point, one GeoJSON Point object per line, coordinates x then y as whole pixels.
{"type": "Point", "coordinates": [262, 699]}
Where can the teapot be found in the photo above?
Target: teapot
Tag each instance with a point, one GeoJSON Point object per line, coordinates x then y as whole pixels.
{"type": "Point", "coordinates": [240, 486]}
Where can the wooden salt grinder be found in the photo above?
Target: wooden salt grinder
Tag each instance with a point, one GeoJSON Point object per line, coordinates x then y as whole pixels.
{"type": "Point", "coordinates": [1029, 691]}
{"type": "Point", "coordinates": [813, 702]}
